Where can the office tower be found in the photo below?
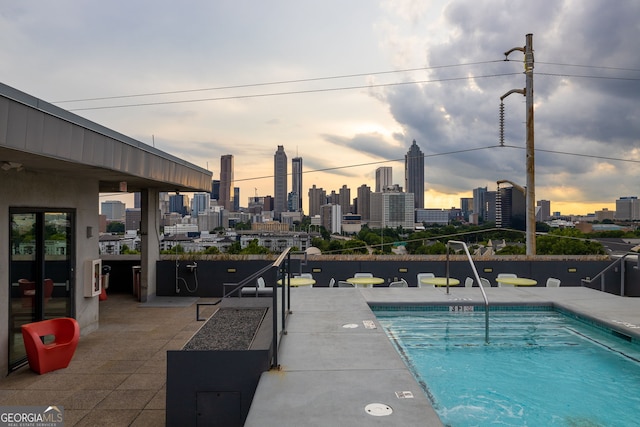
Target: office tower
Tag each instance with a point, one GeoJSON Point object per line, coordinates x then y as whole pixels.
{"type": "Point", "coordinates": [236, 199]}
{"type": "Point", "coordinates": [331, 218]}
{"type": "Point", "coordinates": [226, 180]}
{"type": "Point", "coordinates": [414, 174]}
{"type": "Point", "coordinates": [292, 202]}
{"type": "Point", "coordinates": [344, 199]}
{"type": "Point", "coordinates": [113, 210]}
{"type": "Point", "coordinates": [132, 219]}
{"type": "Point", "coordinates": [137, 200]}
{"type": "Point", "coordinates": [199, 203]}
{"type": "Point", "coordinates": [544, 214]}
{"type": "Point", "coordinates": [296, 181]}
{"type": "Point", "coordinates": [466, 207]}
{"type": "Point", "coordinates": [279, 182]}
{"type": "Point", "coordinates": [363, 206]}
{"type": "Point", "coordinates": [317, 198]}
{"type": "Point", "coordinates": [384, 178]}
{"type": "Point", "coordinates": [627, 208]}
{"type": "Point", "coordinates": [333, 198]}
{"type": "Point", "coordinates": [510, 208]}
{"type": "Point", "coordinates": [479, 203]}
{"type": "Point", "coordinates": [178, 203]}
{"type": "Point", "coordinates": [215, 189]}
{"type": "Point", "coordinates": [392, 209]}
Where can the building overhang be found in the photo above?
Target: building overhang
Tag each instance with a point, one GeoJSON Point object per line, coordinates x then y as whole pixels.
{"type": "Point", "coordinates": [41, 137]}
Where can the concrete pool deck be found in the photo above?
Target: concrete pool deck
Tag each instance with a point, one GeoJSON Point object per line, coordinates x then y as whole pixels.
{"type": "Point", "coordinates": [329, 373]}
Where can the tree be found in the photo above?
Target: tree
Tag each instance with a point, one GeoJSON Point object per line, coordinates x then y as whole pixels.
{"type": "Point", "coordinates": [115, 227]}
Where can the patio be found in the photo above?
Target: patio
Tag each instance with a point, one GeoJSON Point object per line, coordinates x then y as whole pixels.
{"type": "Point", "coordinates": [328, 374]}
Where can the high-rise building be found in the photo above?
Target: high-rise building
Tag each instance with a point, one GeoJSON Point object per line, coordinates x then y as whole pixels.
{"type": "Point", "coordinates": [466, 207]}
{"type": "Point", "coordinates": [627, 208]}
{"type": "Point", "coordinates": [510, 208]}
{"type": "Point", "coordinates": [279, 182]}
{"type": "Point", "coordinates": [384, 178]}
{"type": "Point", "coordinates": [132, 219]}
{"type": "Point", "coordinates": [215, 189]}
{"type": "Point", "coordinates": [179, 203]}
{"type": "Point", "coordinates": [236, 199]}
{"type": "Point", "coordinates": [296, 180]}
{"type": "Point", "coordinates": [479, 203]}
{"type": "Point", "coordinates": [363, 207]}
{"type": "Point", "coordinates": [344, 199]}
{"type": "Point", "coordinates": [392, 209]}
{"type": "Point", "coordinates": [331, 217]}
{"type": "Point", "coordinates": [137, 200]}
{"type": "Point", "coordinates": [544, 213]}
{"type": "Point", "coordinates": [113, 210]}
{"type": "Point", "coordinates": [317, 198]}
{"type": "Point", "coordinates": [226, 181]}
{"type": "Point", "coordinates": [414, 174]}
{"type": "Point", "coordinates": [199, 203]}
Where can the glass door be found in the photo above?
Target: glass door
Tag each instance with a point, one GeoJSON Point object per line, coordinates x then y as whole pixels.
{"type": "Point", "coordinates": [41, 271]}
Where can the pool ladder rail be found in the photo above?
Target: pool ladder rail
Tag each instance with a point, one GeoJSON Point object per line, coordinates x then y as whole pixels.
{"type": "Point", "coordinates": [477, 277]}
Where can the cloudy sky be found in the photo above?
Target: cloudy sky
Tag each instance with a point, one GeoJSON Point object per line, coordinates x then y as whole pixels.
{"type": "Point", "coordinates": [347, 86]}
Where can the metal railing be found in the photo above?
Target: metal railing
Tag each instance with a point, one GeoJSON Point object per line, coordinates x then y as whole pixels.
{"type": "Point", "coordinates": [620, 261]}
{"type": "Point", "coordinates": [477, 277]}
{"type": "Point", "coordinates": [284, 271]}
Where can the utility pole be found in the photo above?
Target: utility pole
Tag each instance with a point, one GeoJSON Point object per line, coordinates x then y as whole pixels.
{"type": "Point", "coordinates": [530, 157]}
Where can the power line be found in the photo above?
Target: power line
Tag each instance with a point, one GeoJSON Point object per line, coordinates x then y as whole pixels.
{"type": "Point", "coordinates": [448, 153]}
{"type": "Point", "coordinates": [592, 156]}
{"type": "Point", "coordinates": [587, 77]}
{"type": "Point", "coordinates": [589, 66]}
{"type": "Point", "coordinates": [373, 163]}
{"type": "Point", "coordinates": [311, 79]}
{"type": "Point", "coordinates": [296, 92]}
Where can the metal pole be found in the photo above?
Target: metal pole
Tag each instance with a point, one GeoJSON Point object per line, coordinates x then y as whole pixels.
{"type": "Point", "coordinates": [531, 182]}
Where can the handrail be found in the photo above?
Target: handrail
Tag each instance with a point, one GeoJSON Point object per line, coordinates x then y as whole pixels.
{"type": "Point", "coordinates": [475, 273]}
{"type": "Point", "coordinates": [609, 267]}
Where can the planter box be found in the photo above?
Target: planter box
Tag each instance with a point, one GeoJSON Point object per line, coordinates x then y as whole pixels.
{"type": "Point", "coordinates": [212, 380]}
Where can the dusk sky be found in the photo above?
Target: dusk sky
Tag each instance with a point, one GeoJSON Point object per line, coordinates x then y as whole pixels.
{"type": "Point", "coordinates": [348, 85]}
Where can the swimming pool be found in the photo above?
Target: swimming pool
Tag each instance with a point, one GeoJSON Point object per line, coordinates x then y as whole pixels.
{"type": "Point", "coordinates": [540, 368]}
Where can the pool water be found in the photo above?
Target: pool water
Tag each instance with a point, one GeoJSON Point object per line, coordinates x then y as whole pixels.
{"type": "Point", "coordinates": [540, 368]}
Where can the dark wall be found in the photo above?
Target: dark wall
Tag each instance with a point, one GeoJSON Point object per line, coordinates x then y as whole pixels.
{"type": "Point", "coordinates": [212, 274]}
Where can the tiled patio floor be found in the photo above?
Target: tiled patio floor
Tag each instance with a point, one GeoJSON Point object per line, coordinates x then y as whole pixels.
{"type": "Point", "coordinates": [118, 374]}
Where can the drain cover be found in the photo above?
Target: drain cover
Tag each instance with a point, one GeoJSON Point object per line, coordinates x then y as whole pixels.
{"type": "Point", "coordinates": [378, 409]}
{"type": "Point", "coordinates": [350, 325]}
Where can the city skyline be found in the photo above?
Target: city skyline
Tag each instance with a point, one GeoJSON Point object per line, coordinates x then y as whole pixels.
{"type": "Point", "coordinates": [242, 78]}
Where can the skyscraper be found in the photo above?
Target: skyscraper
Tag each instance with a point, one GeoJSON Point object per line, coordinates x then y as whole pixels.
{"type": "Point", "coordinates": [279, 182]}
{"type": "Point", "coordinates": [364, 201]}
{"type": "Point", "coordinates": [226, 180]}
{"type": "Point", "coordinates": [414, 174]}
{"type": "Point", "coordinates": [199, 203]}
{"type": "Point", "coordinates": [479, 203]}
{"type": "Point", "coordinates": [344, 199]}
{"type": "Point", "coordinates": [296, 179]}
{"type": "Point", "coordinates": [215, 189]}
{"type": "Point", "coordinates": [384, 178]}
{"type": "Point", "coordinates": [317, 198]}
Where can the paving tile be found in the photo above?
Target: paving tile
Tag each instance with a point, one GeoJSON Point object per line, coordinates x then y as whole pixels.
{"type": "Point", "coordinates": [143, 382]}
{"type": "Point", "coordinates": [150, 418]}
{"type": "Point", "coordinates": [126, 399]}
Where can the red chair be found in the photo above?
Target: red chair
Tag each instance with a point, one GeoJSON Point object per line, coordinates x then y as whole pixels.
{"type": "Point", "coordinates": [27, 291]}
{"type": "Point", "coordinates": [53, 355]}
